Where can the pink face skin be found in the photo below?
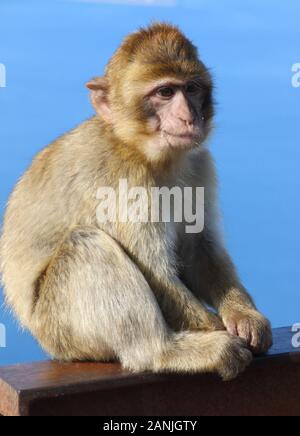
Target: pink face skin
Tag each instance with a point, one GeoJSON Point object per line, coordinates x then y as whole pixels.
{"type": "Point", "coordinates": [178, 118]}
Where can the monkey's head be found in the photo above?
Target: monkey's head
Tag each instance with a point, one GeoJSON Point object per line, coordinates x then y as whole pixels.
{"type": "Point", "coordinates": [156, 94]}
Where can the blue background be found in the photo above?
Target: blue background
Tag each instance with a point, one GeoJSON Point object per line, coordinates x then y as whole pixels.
{"type": "Point", "coordinates": [51, 47]}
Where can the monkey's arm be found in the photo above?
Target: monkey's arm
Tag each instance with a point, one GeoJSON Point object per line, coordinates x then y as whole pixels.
{"type": "Point", "coordinates": [211, 275]}
{"type": "Point", "coordinates": [181, 309]}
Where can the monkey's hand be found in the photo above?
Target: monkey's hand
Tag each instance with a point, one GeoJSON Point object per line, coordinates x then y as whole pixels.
{"type": "Point", "coordinates": [250, 325]}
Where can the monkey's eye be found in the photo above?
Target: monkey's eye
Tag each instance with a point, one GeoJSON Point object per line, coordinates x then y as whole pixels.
{"type": "Point", "coordinates": [192, 88]}
{"type": "Point", "coordinates": [166, 92]}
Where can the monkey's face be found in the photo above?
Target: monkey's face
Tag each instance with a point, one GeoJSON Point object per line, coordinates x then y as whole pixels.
{"type": "Point", "coordinates": [160, 115]}
{"type": "Point", "coordinates": [156, 95]}
{"type": "Point", "coordinates": [176, 113]}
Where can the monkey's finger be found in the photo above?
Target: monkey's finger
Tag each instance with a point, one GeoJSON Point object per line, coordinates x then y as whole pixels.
{"type": "Point", "coordinates": [256, 342]}
{"type": "Point", "coordinates": [231, 327]}
{"type": "Point", "coordinates": [244, 331]}
{"type": "Point", "coordinates": [268, 337]}
{"type": "Point", "coordinates": [262, 341]}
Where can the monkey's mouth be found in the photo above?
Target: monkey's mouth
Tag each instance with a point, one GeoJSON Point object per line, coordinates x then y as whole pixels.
{"type": "Point", "coordinates": [188, 136]}
{"type": "Point", "coordinates": [185, 140]}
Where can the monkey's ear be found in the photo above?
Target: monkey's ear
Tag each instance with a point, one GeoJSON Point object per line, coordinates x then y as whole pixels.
{"type": "Point", "coordinates": [99, 91]}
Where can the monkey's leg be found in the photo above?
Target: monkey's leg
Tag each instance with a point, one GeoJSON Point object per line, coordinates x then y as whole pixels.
{"type": "Point", "coordinates": [212, 276]}
{"type": "Point", "coordinates": [94, 303]}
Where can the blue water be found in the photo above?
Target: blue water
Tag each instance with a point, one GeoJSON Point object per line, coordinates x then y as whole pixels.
{"type": "Point", "coordinates": [51, 47]}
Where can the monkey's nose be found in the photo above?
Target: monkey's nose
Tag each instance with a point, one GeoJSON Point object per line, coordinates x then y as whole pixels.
{"type": "Point", "coordinates": [189, 123]}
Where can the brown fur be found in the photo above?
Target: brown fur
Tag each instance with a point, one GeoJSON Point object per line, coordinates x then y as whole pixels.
{"type": "Point", "coordinates": [132, 292]}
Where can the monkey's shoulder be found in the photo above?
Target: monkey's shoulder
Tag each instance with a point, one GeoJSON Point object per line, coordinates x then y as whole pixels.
{"type": "Point", "coordinates": [72, 154]}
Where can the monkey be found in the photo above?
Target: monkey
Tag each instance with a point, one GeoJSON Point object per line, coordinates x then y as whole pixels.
{"type": "Point", "coordinates": [145, 294]}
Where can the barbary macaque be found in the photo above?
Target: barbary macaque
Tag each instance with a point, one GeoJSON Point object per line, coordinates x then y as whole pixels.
{"type": "Point", "coordinates": [146, 294]}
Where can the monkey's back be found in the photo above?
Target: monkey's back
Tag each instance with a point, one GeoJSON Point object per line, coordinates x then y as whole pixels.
{"type": "Point", "coordinates": [54, 195]}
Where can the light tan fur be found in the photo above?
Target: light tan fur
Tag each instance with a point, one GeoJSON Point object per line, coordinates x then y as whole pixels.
{"type": "Point", "coordinates": [136, 293]}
